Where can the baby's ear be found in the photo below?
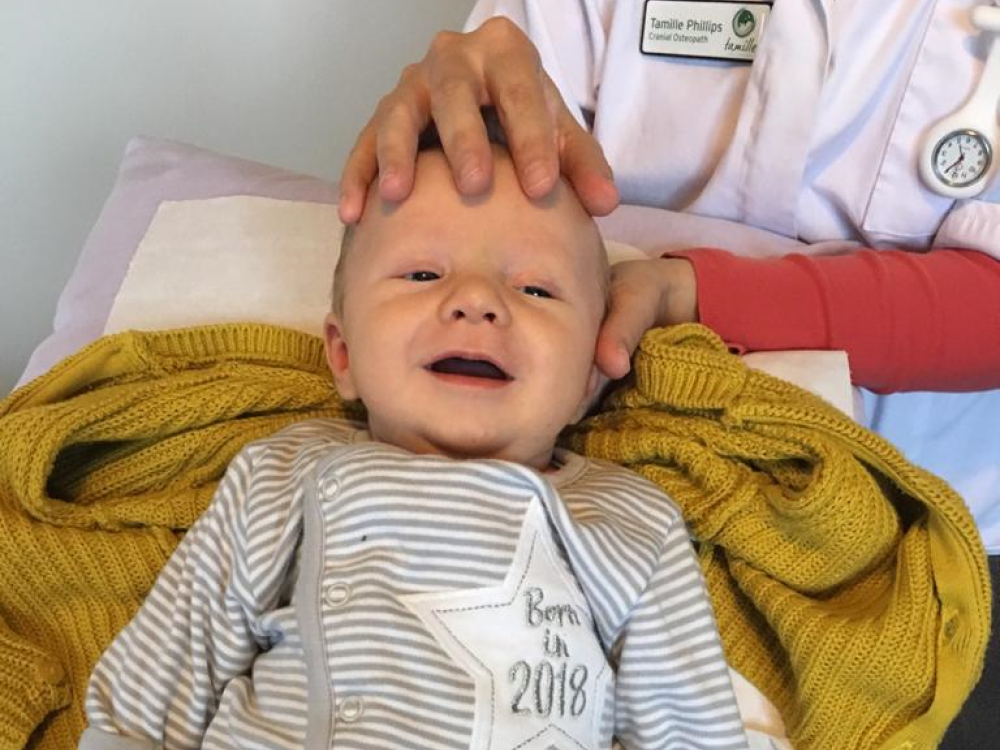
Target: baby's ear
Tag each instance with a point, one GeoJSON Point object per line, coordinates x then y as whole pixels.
{"type": "Point", "coordinates": [338, 358]}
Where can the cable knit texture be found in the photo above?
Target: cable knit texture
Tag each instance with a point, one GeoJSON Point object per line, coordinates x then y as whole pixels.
{"type": "Point", "coordinates": [848, 584]}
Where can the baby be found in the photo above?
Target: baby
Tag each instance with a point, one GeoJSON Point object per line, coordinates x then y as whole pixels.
{"type": "Point", "coordinates": [443, 577]}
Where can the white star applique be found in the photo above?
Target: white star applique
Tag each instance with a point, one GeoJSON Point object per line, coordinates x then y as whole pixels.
{"type": "Point", "coordinates": [529, 644]}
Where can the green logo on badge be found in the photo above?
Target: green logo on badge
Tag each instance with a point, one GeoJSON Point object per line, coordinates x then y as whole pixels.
{"type": "Point", "coordinates": [743, 23]}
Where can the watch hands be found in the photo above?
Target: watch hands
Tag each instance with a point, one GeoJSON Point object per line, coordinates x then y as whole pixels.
{"type": "Point", "coordinates": [958, 161]}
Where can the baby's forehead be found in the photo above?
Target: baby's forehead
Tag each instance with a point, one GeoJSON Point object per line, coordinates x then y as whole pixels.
{"type": "Point", "coordinates": [435, 200]}
{"type": "Point", "coordinates": [433, 179]}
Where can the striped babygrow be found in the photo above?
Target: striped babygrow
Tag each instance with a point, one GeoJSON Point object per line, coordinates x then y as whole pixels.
{"type": "Point", "coordinates": [340, 592]}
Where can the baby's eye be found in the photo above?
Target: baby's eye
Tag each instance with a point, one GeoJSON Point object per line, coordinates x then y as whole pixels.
{"type": "Point", "coordinates": [421, 276]}
{"type": "Point", "coordinates": [536, 291]}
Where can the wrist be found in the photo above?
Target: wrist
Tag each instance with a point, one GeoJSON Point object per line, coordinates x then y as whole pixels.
{"type": "Point", "coordinates": [679, 298]}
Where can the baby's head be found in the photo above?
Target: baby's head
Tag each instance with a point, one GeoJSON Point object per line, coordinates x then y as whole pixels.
{"type": "Point", "coordinates": [467, 326]}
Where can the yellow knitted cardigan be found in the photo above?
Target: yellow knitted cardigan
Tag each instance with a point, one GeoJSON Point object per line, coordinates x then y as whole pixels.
{"type": "Point", "coordinates": [849, 585]}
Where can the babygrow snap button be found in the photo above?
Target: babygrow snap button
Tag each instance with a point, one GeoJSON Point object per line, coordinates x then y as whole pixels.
{"type": "Point", "coordinates": [330, 486]}
{"type": "Point", "coordinates": [351, 708]}
{"type": "Point", "coordinates": [337, 594]}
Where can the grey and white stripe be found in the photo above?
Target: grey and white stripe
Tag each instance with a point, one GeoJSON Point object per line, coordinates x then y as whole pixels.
{"type": "Point", "coordinates": [278, 621]}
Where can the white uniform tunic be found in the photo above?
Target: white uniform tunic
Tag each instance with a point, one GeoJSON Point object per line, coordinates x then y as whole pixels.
{"type": "Point", "coordinates": [816, 141]}
{"type": "Point", "coordinates": [344, 593]}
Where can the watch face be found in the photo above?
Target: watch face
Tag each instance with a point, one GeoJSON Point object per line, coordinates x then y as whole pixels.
{"type": "Point", "coordinates": [961, 158]}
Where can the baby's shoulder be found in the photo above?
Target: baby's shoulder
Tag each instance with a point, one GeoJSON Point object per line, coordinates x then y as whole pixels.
{"type": "Point", "coordinates": [305, 437]}
{"type": "Point", "coordinates": [622, 494]}
{"type": "Point", "coordinates": [267, 473]}
{"type": "Point", "coordinates": [293, 451]}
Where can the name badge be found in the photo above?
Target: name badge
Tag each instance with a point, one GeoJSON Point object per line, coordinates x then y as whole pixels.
{"type": "Point", "coordinates": [710, 30]}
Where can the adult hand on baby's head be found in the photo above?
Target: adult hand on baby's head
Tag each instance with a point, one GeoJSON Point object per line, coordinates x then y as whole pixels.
{"type": "Point", "coordinates": [644, 294]}
{"type": "Point", "coordinates": [494, 65]}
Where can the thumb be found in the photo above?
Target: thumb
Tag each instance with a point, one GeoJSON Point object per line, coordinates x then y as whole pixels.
{"type": "Point", "coordinates": [624, 325]}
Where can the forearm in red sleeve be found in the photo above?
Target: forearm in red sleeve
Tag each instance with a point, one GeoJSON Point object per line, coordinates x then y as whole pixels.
{"type": "Point", "coordinates": [909, 321]}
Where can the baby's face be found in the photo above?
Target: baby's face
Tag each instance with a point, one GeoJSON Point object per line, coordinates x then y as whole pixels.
{"type": "Point", "coordinates": [468, 326]}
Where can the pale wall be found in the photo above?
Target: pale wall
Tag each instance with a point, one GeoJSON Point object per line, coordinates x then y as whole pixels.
{"type": "Point", "coordinates": [286, 82]}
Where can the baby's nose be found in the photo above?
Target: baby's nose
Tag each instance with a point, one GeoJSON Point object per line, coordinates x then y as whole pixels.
{"type": "Point", "coordinates": [476, 301]}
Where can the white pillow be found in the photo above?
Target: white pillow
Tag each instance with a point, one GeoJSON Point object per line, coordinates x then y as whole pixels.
{"type": "Point", "coordinates": [231, 259]}
{"type": "Point", "coordinates": [152, 171]}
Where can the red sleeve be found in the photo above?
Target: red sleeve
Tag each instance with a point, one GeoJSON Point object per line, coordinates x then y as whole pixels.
{"type": "Point", "coordinates": [909, 321]}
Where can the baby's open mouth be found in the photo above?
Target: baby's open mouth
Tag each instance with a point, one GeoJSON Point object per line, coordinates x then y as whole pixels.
{"type": "Point", "coordinates": [470, 368]}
